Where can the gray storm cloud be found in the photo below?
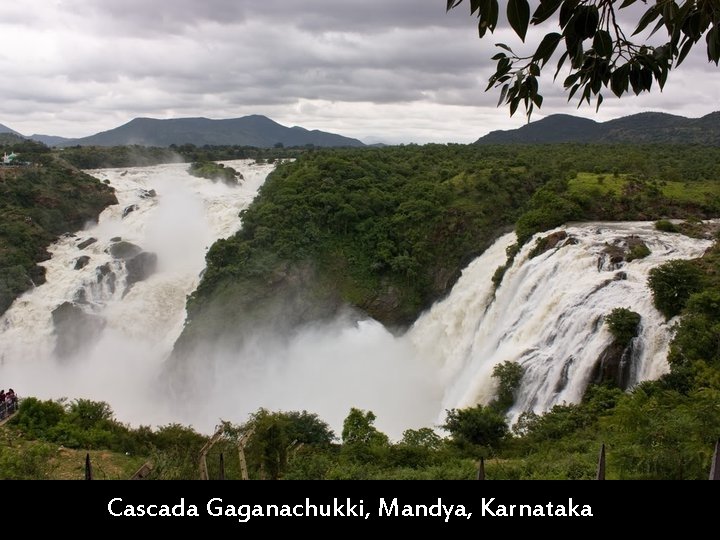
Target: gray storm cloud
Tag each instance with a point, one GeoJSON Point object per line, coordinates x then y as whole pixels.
{"type": "Point", "coordinates": [401, 71]}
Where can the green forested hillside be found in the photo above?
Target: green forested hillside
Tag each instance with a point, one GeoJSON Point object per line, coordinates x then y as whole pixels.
{"type": "Point", "coordinates": [388, 230]}
{"type": "Point", "coordinates": [39, 200]}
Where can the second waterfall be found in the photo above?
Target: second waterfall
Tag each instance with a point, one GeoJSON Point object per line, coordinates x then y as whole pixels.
{"type": "Point", "coordinates": [548, 315]}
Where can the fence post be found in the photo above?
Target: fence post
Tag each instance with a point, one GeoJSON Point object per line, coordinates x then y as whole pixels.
{"type": "Point", "coordinates": [88, 467]}
{"type": "Point", "coordinates": [601, 464]}
{"type": "Point", "coordinates": [481, 469]}
{"type": "Point", "coordinates": [715, 467]}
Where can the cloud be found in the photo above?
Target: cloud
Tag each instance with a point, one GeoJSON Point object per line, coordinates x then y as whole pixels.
{"type": "Point", "coordinates": [75, 68]}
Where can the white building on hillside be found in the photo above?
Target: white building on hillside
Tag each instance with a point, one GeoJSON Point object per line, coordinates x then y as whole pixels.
{"type": "Point", "coordinates": [8, 159]}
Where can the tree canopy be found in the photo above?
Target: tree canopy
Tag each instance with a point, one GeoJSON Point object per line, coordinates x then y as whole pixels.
{"type": "Point", "coordinates": [594, 45]}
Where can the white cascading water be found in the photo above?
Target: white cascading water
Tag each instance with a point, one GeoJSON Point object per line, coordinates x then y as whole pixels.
{"type": "Point", "coordinates": [186, 215]}
{"type": "Point", "coordinates": [547, 315]}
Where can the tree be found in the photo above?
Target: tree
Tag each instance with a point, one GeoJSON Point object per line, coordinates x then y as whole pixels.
{"type": "Point", "coordinates": [509, 375]}
{"type": "Point", "coordinates": [672, 284]}
{"type": "Point", "coordinates": [358, 429]}
{"type": "Point", "coordinates": [476, 426]}
{"type": "Point", "coordinates": [595, 46]}
{"type": "Point", "coordinates": [623, 324]}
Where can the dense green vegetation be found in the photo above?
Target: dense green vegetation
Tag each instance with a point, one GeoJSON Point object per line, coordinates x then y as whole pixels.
{"type": "Point", "coordinates": [39, 201]}
{"type": "Point", "coordinates": [214, 171]}
{"type": "Point", "coordinates": [99, 157]}
{"type": "Point", "coordinates": [623, 324]}
{"type": "Point", "coordinates": [388, 230]}
{"type": "Point", "coordinates": [385, 230]}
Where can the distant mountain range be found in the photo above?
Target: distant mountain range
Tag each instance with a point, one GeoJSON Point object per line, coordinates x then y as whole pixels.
{"type": "Point", "coordinates": [262, 132]}
{"type": "Point", "coordinates": [649, 127]}
{"type": "Point", "coordinates": [254, 130]}
{"type": "Point", "coordinates": [5, 129]}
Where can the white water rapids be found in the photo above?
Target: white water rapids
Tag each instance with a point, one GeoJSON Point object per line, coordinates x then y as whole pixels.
{"type": "Point", "coordinates": [546, 315]}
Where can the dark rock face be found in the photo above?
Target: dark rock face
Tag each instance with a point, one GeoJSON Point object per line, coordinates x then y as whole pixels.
{"type": "Point", "coordinates": [620, 276]}
{"type": "Point", "coordinates": [552, 241]}
{"type": "Point", "coordinates": [116, 239]}
{"type": "Point", "coordinates": [129, 209]}
{"type": "Point", "coordinates": [81, 262]}
{"type": "Point", "coordinates": [105, 273]}
{"type": "Point", "coordinates": [86, 243]}
{"type": "Point", "coordinates": [148, 194]}
{"type": "Point", "coordinates": [622, 250]}
{"type": "Point", "coordinates": [614, 365]}
{"type": "Point", "coordinates": [75, 329]}
{"type": "Point", "coordinates": [140, 267]}
{"type": "Point", "coordinates": [123, 250]}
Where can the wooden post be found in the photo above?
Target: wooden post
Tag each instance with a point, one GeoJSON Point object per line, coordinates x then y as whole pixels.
{"type": "Point", "coordinates": [204, 475]}
{"type": "Point", "coordinates": [715, 467]}
{"type": "Point", "coordinates": [481, 469]}
{"type": "Point", "coordinates": [241, 452]}
{"type": "Point", "coordinates": [601, 464]}
{"type": "Point", "coordinates": [143, 472]}
{"type": "Point", "coordinates": [222, 466]}
{"type": "Point", "coordinates": [88, 468]}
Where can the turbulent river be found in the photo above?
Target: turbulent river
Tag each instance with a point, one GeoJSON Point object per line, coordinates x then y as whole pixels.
{"type": "Point", "coordinates": [114, 327]}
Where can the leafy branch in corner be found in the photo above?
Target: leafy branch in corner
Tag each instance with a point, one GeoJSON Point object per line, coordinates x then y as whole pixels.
{"type": "Point", "coordinates": [594, 46]}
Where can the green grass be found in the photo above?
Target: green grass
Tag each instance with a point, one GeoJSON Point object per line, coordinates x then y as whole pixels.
{"type": "Point", "coordinates": [696, 192]}
{"type": "Point", "coordinates": [586, 183]}
{"type": "Point", "coordinates": [693, 192]}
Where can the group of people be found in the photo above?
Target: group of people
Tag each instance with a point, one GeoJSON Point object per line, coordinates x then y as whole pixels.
{"type": "Point", "coordinates": [8, 403]}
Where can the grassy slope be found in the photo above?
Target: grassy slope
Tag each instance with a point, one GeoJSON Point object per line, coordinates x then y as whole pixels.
{"type": "Point", "coordinates": [23, 458]}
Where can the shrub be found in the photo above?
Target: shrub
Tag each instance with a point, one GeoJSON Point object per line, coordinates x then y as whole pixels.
{"type": "Point", "coordinates": [638, 251]}
{"type": "Point", "coordinates": [476, 426]}
{"type": "Point", "coordinates": [623, 324]}
{"type": "Point", "coordinates": [508, 374]}
{"type": "Point", "coordinates": [672, 284]}
{"type": "Point", "coordinates": [666, 226]}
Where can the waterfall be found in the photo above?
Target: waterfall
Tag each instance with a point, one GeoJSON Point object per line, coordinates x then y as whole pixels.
{"type": "Point", "coordinates": [114, 303]}
{"type": "Point", "coordinates": [90, 330]}
{"type": "Point", "coordinates": [547, 315]}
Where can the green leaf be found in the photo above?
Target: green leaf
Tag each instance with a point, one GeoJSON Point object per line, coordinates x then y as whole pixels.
{"type": "Point", "coordinates": [545, 10]}
{"type": "Point", "coordinates": [649, 16]}
{"type": "Point", "coordinates": [503, 93]}
{"type": "Point", "coordinates": [626, 3]}
{"type": "Point", "coordinates": [684, 51]}
{"type": "Point", "coordinates": [713, 44]}
{"type": "Point", "coordinates": [566, 12]}
{"type": "Point", "coordinates": [619, 80]}
{"type": "Point", "coordinates": [560, 64]}
{"type": "Point", "coordinates": [492, 14]}
{"type": "Point", "coordinates": [635, 80]}
{"type": "Point", "coordinates": [646, 79]}
{"type": "Point", "coordinates": [586, 21]}
{"type": "Point", "coordinates": [503, 46]}
{"type": "Point", "coordinates": [572, 91]}
{"type": "Point", "coordinates": [514, 105]}
{"type": "Point", "coordinates": [452, 3]}
{"type": "Point", "coordinates": [547, 47]}
{"type": "Point", "coordinates": [599, 102]}
{"type": "Point", "coordinates": [537, 100]}
{"type": "Point", "coordinates": [518, 14]}
{"type": "Point", "coordinates": [602, 43]}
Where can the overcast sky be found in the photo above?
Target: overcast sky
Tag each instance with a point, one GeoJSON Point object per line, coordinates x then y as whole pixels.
{"type": "Point", "coordinates": [394, 71]}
